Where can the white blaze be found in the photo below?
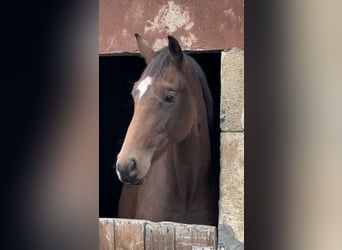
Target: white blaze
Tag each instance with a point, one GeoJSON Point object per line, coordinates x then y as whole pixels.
{"type": "Point", "coordinates": [143, 85]}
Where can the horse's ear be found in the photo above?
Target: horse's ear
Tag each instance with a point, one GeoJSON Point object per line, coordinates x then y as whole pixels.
{"type": "Point", "coordinates": [175, 50]}
{"type": "Point", "coordinates": [145, 50]}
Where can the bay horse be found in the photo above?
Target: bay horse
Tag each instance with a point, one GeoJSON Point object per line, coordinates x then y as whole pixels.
{"type": "Point", "coordinates": [165, 158]}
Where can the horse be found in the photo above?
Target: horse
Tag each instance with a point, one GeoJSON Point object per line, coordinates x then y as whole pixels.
{"type": "Point", "coordinates": [165, 159]}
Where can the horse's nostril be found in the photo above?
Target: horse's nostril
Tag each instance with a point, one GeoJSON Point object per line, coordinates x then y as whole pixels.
{"type": "Point", "coordinates": [132, 165]}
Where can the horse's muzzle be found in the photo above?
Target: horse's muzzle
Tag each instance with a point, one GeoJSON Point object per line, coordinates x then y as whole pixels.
{"type": "Point", "coordinates": [128, 174]}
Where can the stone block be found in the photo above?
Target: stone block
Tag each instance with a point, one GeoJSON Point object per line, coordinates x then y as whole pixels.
{"type": "Point", "coordinates": [232, 91]}
{"type": "Point", "coordinates": [231, 203]}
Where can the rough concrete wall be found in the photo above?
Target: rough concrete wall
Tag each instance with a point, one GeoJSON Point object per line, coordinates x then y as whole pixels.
{"type": "Point", "coordinates": [231, 204]}
{"type": "Point", "coordinates": [199, 25]}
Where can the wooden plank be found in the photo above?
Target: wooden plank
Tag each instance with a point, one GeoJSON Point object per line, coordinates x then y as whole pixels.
{"type": "Point", "coordinates": [123, 234]}
{"type": "Point", "coordinates": [204, 236]}
{"type": "Point", "coordinates": [129, 234]}
{"type": "Point", "coordinates": [106, 234]}
{"type": "Point", "coordinates": [188, 237]}
{"type": "Point", "coordinates": [160, 236]}
{"type": "Point", "coordinates": [183, 234]}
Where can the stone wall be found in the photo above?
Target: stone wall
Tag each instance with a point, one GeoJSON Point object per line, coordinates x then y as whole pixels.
{"type": "Point", "coordinates": [231, 204]}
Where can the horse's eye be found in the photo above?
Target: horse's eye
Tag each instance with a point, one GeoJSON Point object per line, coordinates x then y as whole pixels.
{"type": "Point", "coordinates": [169, 98]}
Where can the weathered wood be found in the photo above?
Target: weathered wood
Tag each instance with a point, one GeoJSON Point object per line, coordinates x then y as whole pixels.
{"type": "Point", "coordinates": [106, 234]}
{"type": "Point", "coordinates": [189, 236]}
{"type": "Point", "coordinates": [123, 234]}
{"type": "Point", "coordinates": [183, 237]}
{"type": "Point", "coordinates": [129, 234]}
{"type": "Point", "coordinates": [204, 236]}
{"type": "Point", "coordinates": [160, 236]}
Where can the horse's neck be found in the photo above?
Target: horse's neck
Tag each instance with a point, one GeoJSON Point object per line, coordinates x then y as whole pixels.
{"type": "Point", "coordinates": [191, 160]}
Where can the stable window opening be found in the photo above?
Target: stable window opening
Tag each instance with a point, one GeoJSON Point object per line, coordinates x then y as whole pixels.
{"type": "Point", "coordinates": [117, 74]}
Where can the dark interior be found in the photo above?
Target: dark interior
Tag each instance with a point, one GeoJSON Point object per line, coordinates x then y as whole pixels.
{"type": "Point", "coordinates": [117, 75]}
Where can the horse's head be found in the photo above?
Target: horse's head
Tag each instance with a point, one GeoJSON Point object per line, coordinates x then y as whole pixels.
{"type": "Point", "coordinates": [164, 110]}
